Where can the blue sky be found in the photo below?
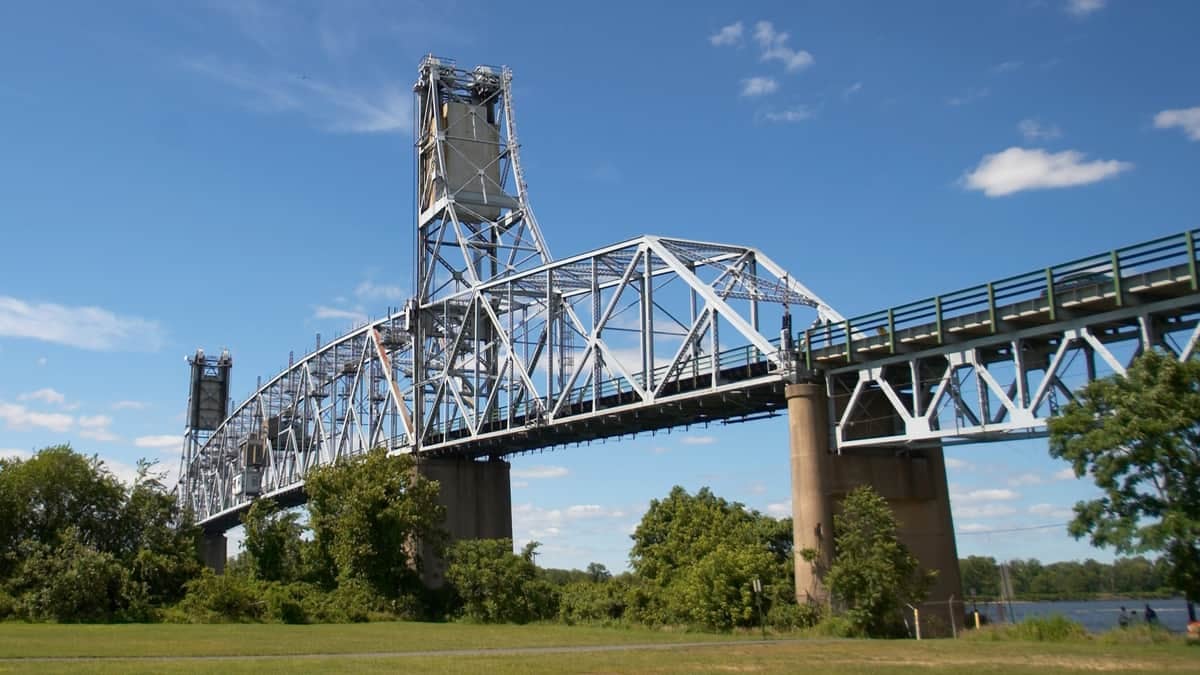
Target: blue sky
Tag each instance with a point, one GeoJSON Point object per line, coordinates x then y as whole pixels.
{"type": "Point", "coordinates": [238, 174]}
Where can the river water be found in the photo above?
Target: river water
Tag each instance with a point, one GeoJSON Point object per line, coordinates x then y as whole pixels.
{"type": "Point", "coordinates": [1096, 615]}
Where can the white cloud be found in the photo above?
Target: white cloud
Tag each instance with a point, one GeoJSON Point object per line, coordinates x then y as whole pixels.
{"type": "Point", "coordinates": [1084, 7]}
{"type": "Point", "coordinates": [369, 290]}
{"type": "Point", "coordinates": [983, 495]}
{"type": "Point", "coordinates": [13, 453]}
{"type": "Point", "coordinates": [83, 327]}
{"type": "Point", "coordinates": [95, 421]}
{"type": "Point", "coordinates": [852, 90]}
{"type": "Point", "coordinates": [335, 107]}
{"type": "Point", "coordinates": [955, 463]}
{"type": "Point", "coordinates": [1033, 130]}
{"type": "Point", "coordinates": [42, 361]}
{"type": "Point", "coordinates": [96, 427]}
{"type": "Point", "coordinates": [532, 522]}
{"type": "Point", "coordinates": [774, 47]}
{"type": "Point", "coordinates": [1007, 66]}
{"type": "Point", "coordinates": [973, 527]}
{"type": "Point", "coordinates": [728, 35]}
{"type": "Point", "coordinates": [660, 450]}
{"type": "Point", "coordinates": [1187, 119]}
{"type": "Point", "coordinates": [1051, 511]}
{"type": "Point", "coordinates": [125, 473]}
{"type": "Point", "coordinates": [165, 442]}
{"type": "Point", "coordinates": [45, 395]}
{"type": "Point", "coordinates": [969, 96]}
{"type": "Point", "coordinates": [759, 86]}
{"type": "Point", "coordinates": [585, 511]}
{"type": "Point", "coordinates": [984, 511]}
{"type": "Point", "coordinates": [698, 440]}
{"type": "Point", "coordinates": [20, 418]}
{"type": "Point", "coordinates": [536, 472]}
{"type": "Point", "coordinates": [1065, 474]}
{"type": "Point", "coordinates": [323, 312]}
{"type": "Point", "coordinates": [1025, 479]}
{"type": "Point", "coordinates": [1017, 169]}
{"type": "Point", "coordinates": [797, 113]}
{"type": "Point", "coordinates": [129, 405]}
{"type": "Point", "coordinates": [780, 509]}
{"type": "Point", "coordinates": [517, 484]}
{"type": "Point", "coordinates": [758, 488]}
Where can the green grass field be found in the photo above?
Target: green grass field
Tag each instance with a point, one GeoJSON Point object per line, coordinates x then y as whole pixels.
{"type": "Point", "coordinates": [391, 647]}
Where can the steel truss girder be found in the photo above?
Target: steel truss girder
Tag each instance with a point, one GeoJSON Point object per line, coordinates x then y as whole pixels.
{"type": "Point", "coordinates": [566, 345]}
{"type": "Point", "coordinates": [1001, 405]}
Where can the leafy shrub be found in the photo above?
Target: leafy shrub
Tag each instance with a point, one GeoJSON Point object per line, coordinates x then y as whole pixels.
{"type": "Point", "coordinates": [592, 602]}
{"type": "Point", "coordinates": [789, 615]}
{"type": "Point", "coordinates": [218, 598]}
{"type": "Point", "coordinates": [285, 602]}
{"type": "Point", "coordinates": [72, 582]}
{"type": "Point", "coordinates": [1053, 628]}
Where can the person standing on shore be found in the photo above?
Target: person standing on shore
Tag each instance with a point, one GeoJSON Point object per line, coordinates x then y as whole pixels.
{"type": "Point", "coordinates": [1151, 615]}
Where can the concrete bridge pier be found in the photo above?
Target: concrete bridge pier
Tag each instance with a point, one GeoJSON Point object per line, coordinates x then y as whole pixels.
{"type": "Point", "coordinates": [478, 501]}
{"type": "Point", "coordinates": [213, 551]}
{"type": "Point", "coordinates": [913, 481]}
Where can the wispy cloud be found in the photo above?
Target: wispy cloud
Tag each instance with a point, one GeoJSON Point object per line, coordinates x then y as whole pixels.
{"type": "Point", "coordinates": [369, 290]}
{"type": "Point", "coordinates": [1051, 511]}
{"type": "Point", "coordinates": [164, 442]}
{"type": "Point", "coordinates": [728, 35]}
{"type": "Point", "coordinates": [1025, 479]}
{"type": "Point", "coordinates": [797, 113]}
{"type": "Point", "coordinates": [45, 395]}
{"type": "Point", "coordinates": [129, 405]}
{"type": "Point", "coordinates": [852, 90]}
{"type": "Point", "coordinates": [1034, 130]}
{"type": "Point", "coordinates": [984, 511]}
{"type": "Point", "coordinates": [759, 86]}
{"type": "Point", "coordinates": [969, 96]}
{"type": "Point", "coordinates": [983, 495]}
{"type": "Point", "coordinates": [959, 464]}
{"type": "Point", "coordinates": [537, 472]}
{"type": "Point", "coordinates": [90, 328]}
{"type": "Point", "coordinates": [20, 418]}
{"type": "Point", "coordinates": [1186, 119]}
{"type": "Point", "coordinates": [13, 453]}
{"type": "Point", "coordinates": [780, 509]}
{"type": "Point", "coordinates": [335, 107]}
{"type": "Point", "coordinates": [1018, 169]}
{"type": "Point", "coordinates": [1007, 66]}
{"type": "Point", "coordinates": [322, 312]}
{"type": "Point", "coordinates": [97, 428]}
{"type": "Point", "coordinates": [774, 47]}
{"type": "Point", "coordinates": [1065, 474]}
{"type": "Point", "coordinates": [698, 440]}
{"type": "Point", "coordinates": [1084, 7]}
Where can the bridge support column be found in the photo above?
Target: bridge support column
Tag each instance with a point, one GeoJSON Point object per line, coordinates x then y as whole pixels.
{"type": "Point", "coordinates": [478, 501]}
{"type": "Point", "coordinates": [913, 481]}
{"type": "Point", "coordinates": [213, 551]}
{"type": "Point", "coordinates": [812, 505]}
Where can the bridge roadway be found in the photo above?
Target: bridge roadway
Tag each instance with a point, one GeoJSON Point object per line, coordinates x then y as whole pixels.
{"type": "Point", "coordinates": [1139, 293]}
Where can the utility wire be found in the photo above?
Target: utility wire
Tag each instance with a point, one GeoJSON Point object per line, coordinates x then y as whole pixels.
{"type": "Point", "coordinates": [1013, 529]}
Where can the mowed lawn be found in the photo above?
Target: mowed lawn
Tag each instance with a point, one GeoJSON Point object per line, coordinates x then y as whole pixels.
{"type": "Point", "coordinates": [392, 647]}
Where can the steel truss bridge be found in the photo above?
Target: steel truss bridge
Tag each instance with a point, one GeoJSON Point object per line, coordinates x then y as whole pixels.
{"type": "Point", "coordinates": [505, 349]}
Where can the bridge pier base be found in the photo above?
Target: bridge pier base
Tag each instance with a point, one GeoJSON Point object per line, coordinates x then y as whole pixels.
{"type": "Point", "coordinates": [478, 501]}
{"type": "Point", "coordinates": [213, 551]}
{"type": "Point", "coordinates": [913, 483]}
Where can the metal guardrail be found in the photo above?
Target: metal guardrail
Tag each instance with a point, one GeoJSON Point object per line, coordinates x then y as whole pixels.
{"type": "Point", "coordinates": [1040, 286]}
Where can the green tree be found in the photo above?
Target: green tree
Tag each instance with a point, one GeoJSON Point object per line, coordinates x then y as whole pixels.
{"type": "Point", "coordinates": [497, 585]}
{"type": "Point", "coordinates": [873, 575]}
{"type": "Point", "coordinates": [367, 516]}
{"type": "Point", "coordinates": [698, 555]}
{"type": "Point", "coordinates": [598, 572]}
{"type": "Point", "coordinates": [1138, 436]}
{"type": "Point", "coordinates": [980, 576]}
{"type": "Point", "coordinates": [273, 541]}
{"type": "Point", "coordinates": [71, 582]}
{"type": "Point", "coordinates": [55, 489]}
{"type": "Point", "coordinates": [158, 543]}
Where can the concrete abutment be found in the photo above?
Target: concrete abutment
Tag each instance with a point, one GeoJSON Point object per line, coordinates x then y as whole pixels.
{"type": "Point", "coordinates": [477, 497]}
{"type": "Point", "coordinates": [913, 482]}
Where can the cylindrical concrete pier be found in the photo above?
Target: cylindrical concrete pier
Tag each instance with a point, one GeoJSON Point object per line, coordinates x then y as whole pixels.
{"type": "Point", "coordinates": [812, 507]}
{"type": "Point", "coordinates": [213, 551]}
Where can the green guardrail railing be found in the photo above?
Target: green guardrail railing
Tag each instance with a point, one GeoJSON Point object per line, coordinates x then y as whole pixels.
{"type": "Point", "coordinates": [1043, 285]}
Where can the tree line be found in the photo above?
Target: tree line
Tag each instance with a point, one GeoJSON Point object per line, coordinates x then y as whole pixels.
{"type": "Point", "coordinates": [1031, 579]}
{"type": "Point", "coordinates": [78, 546]}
